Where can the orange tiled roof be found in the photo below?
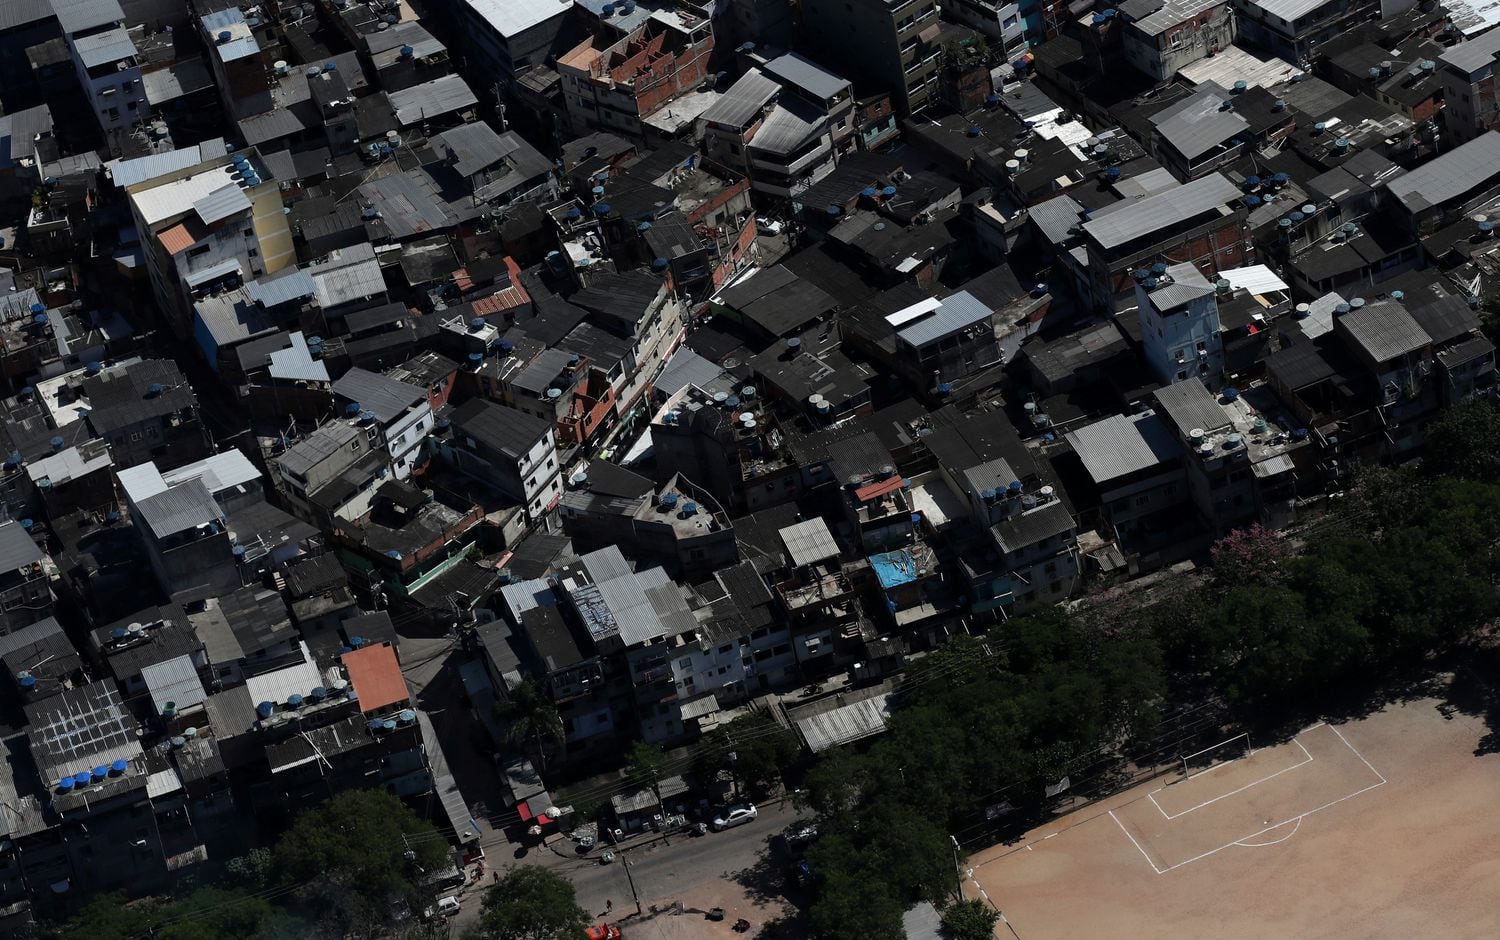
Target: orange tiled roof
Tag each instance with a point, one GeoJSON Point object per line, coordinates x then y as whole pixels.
{"type": "Point", "coordinates": [376, 676]}
{"type": "Point", "coordinates": [176, 239]}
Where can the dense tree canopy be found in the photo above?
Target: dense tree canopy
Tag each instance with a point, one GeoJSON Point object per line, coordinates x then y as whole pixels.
{"type": "Point", "coordinates": [1402, 569]}
{"type": "Point", "coordinates": [357, 853]}
{"type": "Point", "coordinates": [531, 903]}
{"type": "Point", "coordinates": [753, 748]}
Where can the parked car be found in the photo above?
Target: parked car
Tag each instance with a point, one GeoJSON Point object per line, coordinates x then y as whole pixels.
{"type": "Point", "coordinates": [767, 225]}
{"type": "Point", "coordinates": [736, 815]}
{"type": "Point", "coordinates": [448, 906]}
{"type": "Point", "coordinates": [603, 932]}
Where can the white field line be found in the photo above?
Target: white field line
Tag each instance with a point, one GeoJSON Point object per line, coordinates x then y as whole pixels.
{"type": "Point", "coordinates": [1308, 759]}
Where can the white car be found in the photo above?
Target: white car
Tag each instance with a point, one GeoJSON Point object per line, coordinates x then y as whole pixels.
{"type": "Point", "coordinates": [767, 225]}
{"type": "Point", "coordinates": [734, 816]}
{"type": "Point", "coordinates": [448, 906]}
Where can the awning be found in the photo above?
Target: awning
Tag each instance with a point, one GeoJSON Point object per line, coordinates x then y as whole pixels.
{"type": "Point", "coordinates": [213, 272]}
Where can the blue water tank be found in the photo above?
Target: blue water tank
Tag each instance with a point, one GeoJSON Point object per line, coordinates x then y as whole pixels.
{"type": "Point", "coordinates": [868, 192]}
{"type": "Point", "coordinates": [506, 345]}
{"type": "Point", "coordinates": [28, 523]}
{"type": "Point", "coordinates": [265, 709]}
{"type": "Point", "coordinates": [318, 693]}
{"type": "Point", "coordinates": [602, 209]}
{"type": "Point", "coordinates": [574, 212]}
{"type": "Point", "coordinates": [393, 554]}
{"type": "Point", "coordinates": [689, 508]}
{"type": "Point", "coordinates": [100, 772]}
{"type": "Point", "coordinates": [356, 641]}
{"type": "Point", "coordinates": [82, 779]}
{"type": "Point", "coordinates": [888, 192]}
{"type": "Point", "coordinates": [294, 700]}
{"type": "Point", "coordinates": [119, 767]}
{"type": "Point", "coordinates": [65, 784]}
{"type": "Point", "coordinates": [1230, 394]}
{"type": "Point", "coordinates": [27, 680]}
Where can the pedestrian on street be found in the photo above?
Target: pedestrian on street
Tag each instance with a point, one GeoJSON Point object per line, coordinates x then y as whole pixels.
{"type": "Point", "coordinates": [609, 905]}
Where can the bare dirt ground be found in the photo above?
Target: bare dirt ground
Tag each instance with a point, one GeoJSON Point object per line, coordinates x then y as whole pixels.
{"type": "Point", "coordinates": [1383, 826]}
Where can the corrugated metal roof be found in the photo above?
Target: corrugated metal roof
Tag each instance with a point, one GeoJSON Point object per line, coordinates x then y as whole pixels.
{"type": "Point", "coordinates": [157, 203]}
{"type": "Point", "coordinates": [112, 45]}
{"type": "Point", "coordinates": [1187, 284]}
{"type": "Point", "coordinates": [475, 147]}
{"type": "Point", "coordinates": [744, 100]}
{"type": "Point", "coordinates": [219, 472]}
{"type": "Point", "coordinates": [957, 312]}
{"type": "Point", "coordinates": [296, 363]}
{"type": "Point", "coordinates": [174, 682]}
{"type": "Point", "coordinates": [1451, 175]}
{"type": "Point", "coordinates": [385, 396]}
{"type": "Point", "coordinates": [15, 13]}
{"type": "Point", "coordinates": [432, 99]}
{"type": "Point", "coordinates": [282, 287]}
{"type": "Point", "coordinates": [1384, 330]}
{"type": "Point", "coordinates": [1255, 278]}
{"type": "Point", "coordinates": [279, 685]}
{"type": "Point", "coordinates": [235, 49]}
{"type": "Point", "coordinates": [175, 80]}
{"type": "Point", "coordinates": [1197, 125]}
{"type": "Point", "coordinates": [809, 542]}
{"type": "Point", "coordinates": [404, 207]}
{"type": "Point", "coordinates": [29, 635]}
{"type": "Point", "coordinates": [19, 131]}
{"type": "Point", "coordinates": [845, 724]}
{"type": "Point", "coordinates": [79, 15]}
{"type": "Point", "coordinates": [1057, 217]}
{"type": "Point", "coordinates": [789, 126]}
{"type": "Point", "coordinates": [212, 271]}
{"type": "Point", "coordinates": [796, 69]}
{"type": "Point", "coordinates": [1288, 10]}
{"type": "Point", "coordinates": [179, 509]}
{"type": "Point", "coordinates": [348, 282]}
{"type": "Point", "coordinates": [1142, 217]}
{"type": "Point", "coordinates": [1172, 13]}
{"type": "Point", "coordinates": [221, 204]}
{"type": "Point", "coordinates": [510, 18]}
{"type": "Point", "coordinates": [1121, 445]}
{"type": "Point", "coordinates": [69, 464]}
{"type": "Point", "coordinates": [127, 173]}
{"type": "Point", "coordinates": [1028, 528]}
{"type": "Point", "coordinates": [1476, 55]}
{"type": "Point", "coordinates": [605, 564]}
{"type": "Point", "coordinates": [1189, 404]}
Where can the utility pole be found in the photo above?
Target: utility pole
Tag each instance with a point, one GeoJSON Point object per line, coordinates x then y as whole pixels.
{"type": "Point", "coordinates": [958, 866]}
{"type": "Point", "coordinates": [625, 860]}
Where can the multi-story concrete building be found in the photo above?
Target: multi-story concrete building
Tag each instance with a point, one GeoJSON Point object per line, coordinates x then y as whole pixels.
{"type": "Point", "coordinates": [1198, 223]}
{"type": "Point", "coordinates": [612, 85]}
{"type": "Point", "coordinates": [336, 451]}
{"type": "Point", "coordinates": [25, 581]}
{"type": "Point", "coordinates": [1180, 331]}
{"type": "Point", "coordinates": [396, 414]}
{"type": "Point", "coordinates": [1162, 36]}
{"type": "Point", "coordinates": [1292, 28]}
{"type": "Point", "coordinates": [507, 37]}
{"type": "Point", "coordinates": [890, 44]}
{"type": "Point", "coordinates": [1471, 104]}
{"type": "Point", "coordinates": [206, 218]}
{"type": "Point", "coordinates": [104, 58]}
{"type": "Point", "coordinates": [509, 449]}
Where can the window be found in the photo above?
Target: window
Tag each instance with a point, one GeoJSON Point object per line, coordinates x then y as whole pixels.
{"type": "Point", "coordinates": [135, 435]}
{"type": "Point", "coordinates": [1181, 374]}
{"type": "Point", "coordinates": [685, 662]}
{"type": "Point", "coordinates": [727, 648]}
{"type": "Point", "coordinates": [1144, 500]}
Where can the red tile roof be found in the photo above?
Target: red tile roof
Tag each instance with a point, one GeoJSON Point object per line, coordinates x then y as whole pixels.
{"type": "Point", "coordinates": [872, 490]}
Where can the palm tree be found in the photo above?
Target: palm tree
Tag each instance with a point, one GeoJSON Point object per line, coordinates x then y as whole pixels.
{"type": "Point", "coordinates": [531, 719]}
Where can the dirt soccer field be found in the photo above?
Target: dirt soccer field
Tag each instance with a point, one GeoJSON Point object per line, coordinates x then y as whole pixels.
{"type": "Point", "coordinates": [1380, 827]}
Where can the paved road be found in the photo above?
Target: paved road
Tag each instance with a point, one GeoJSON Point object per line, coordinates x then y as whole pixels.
{"type": "Point", "coordinates": [663, 871]}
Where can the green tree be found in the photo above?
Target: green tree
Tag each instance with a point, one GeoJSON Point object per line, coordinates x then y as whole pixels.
{"type": "Point", "coordinates": [531, 903]}
{"type": "Point", "coordinates": [1464, 443]}
{"type": "Point", "coordinates": [256, 868]}
{"type": "Point", "coordinates": [532, 720]}
{"type": "Point", "coordinates": [754, 748]}
{"type": "Point", "coordinates": [646, 767]}
{"type": "Point", "coordinates": [206, 914]}
{"type": "Point", "coordinates": [109, 917]}
{"type": "Point", "coordinates": [357, 853]}
{"type": "Point", "coordinates": [970, 920]}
